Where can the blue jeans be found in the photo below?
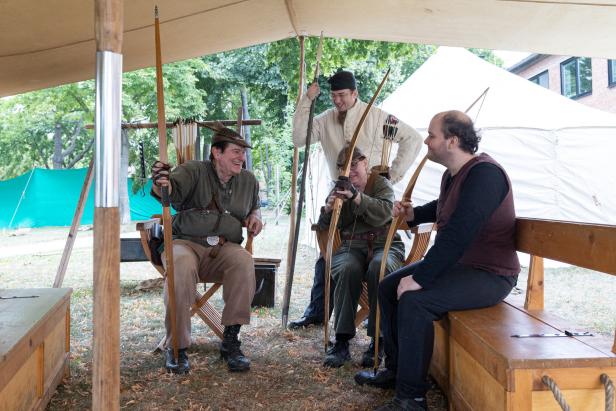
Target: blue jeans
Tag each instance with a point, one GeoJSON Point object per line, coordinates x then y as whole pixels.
{"type": "Point", "coordinates": [407, 326]}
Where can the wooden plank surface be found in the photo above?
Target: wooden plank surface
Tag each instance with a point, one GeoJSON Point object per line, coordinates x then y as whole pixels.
{"type": "Point", "coordinates": [585, 245]}
{"type": "Point", "coordinates": [32, 345]}
{"type": "Point", "coordinates": [19, 316]}
{"type": "Point", "coordinates": [486, 335]}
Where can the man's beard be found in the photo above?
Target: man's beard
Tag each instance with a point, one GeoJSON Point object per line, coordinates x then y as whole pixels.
{"type": "Point", "coordinates": [342, 117]}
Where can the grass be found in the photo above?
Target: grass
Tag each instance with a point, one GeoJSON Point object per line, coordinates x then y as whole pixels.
{"type": "Point", "coordinates": [286, 371]}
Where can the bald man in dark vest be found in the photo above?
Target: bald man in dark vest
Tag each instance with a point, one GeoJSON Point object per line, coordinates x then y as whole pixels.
{"type": "Point", "coordinates": [472, 264]}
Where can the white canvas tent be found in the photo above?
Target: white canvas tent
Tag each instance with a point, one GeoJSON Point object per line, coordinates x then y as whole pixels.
{"type": "Point", "coordinates": [558, 153]}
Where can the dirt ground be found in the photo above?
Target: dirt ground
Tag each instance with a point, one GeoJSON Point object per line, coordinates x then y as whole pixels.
{"type": "Point", "coordinates": [286, 371]}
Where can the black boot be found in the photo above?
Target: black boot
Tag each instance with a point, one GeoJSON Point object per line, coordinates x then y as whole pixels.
{"type": "Point", "coordinates": [305, 322]}
{"type": "Point", "coordinates": [367, 360]}
{"type": "Point", "coordinates": [338, 354]}
{"type": "Point", "coordinates": [230, 350]}
{"type": "Point", "coordinates": [180, 366]}
{"type": "Point", "coordinates": [383, 379]}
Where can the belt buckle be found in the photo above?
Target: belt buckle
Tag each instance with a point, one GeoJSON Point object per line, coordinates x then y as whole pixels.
{"type": "Point", "coordinates": [212, 240]}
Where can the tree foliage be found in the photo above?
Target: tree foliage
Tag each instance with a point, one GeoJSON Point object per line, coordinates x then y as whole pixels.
{"type": "Point", "coordinates": [202, 88]}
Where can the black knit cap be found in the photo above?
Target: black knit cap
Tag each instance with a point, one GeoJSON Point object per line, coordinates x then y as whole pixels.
{"type": "Point", "coordinates": [342, 80]}
{"type": "Point", "coordinates": [225, 134]}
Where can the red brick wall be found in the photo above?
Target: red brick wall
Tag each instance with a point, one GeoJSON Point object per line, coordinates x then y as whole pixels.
{"type": "Point", "coordinates": [602, 97]}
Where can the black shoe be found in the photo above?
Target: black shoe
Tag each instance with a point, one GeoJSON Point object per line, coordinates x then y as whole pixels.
{"type": "Point", "coordinates": [181, 366]}
{"type": "Point", "coordinates": [367, 360]}
{"type": "Point", "coordinates": [383, 379]}
{"type": "Point", "coordinates": [230, 350]}
{"type": "Point", "coordinates": [305, 322]}
{"type": "Point", "coordinates": [405, 404]}
{"type": "Point", "coordinates": [337, 355]}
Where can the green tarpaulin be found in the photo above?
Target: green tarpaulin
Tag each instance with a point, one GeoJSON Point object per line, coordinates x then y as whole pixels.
{"type": "Point", "coordinates": [44, 197]}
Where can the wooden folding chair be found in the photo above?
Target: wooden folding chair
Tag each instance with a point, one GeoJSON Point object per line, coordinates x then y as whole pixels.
{"type": "Point", "coordinates": [202, 307]}
{"type": "Point", "coordinates": [421, 240]}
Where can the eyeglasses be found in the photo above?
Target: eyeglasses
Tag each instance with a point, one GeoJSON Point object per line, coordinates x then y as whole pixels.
{"type": "Point", "coordinates": [354, 163]}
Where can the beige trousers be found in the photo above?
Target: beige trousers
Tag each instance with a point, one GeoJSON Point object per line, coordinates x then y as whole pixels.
{"type": "Point", "coordinates": [233, 267]}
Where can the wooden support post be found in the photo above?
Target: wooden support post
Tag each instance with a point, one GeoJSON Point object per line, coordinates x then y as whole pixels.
{"type": "Point", "coordinates": [534, 290]}
{"type": "Point", "coordinates": [108, 28]}
{"type": "Point", "coordinates": [72, 234]}
{"type": "Point", "coordinates": [106, 339]}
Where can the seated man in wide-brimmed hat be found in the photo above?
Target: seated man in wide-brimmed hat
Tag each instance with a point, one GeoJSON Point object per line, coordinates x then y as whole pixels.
{"type": "Point", "coordinates": [213, 200]}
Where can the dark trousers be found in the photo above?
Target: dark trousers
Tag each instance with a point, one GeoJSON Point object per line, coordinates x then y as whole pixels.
{"type": "Point", "coordinates": [316, 307]}
{"type": "Point", "coordinates": [407, 325]}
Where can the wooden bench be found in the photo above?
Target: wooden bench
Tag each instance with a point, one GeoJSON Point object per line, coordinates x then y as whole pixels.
{"type": "Point", "coordinates": [481, 366]}
{"type": "Point", "coordinates": [34, 345]}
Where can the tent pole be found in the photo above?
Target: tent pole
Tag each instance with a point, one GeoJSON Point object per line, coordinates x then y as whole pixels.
{"type": "Point", "coordinates": [23, 194]}
{"type": "Point", "coordinates": [108, 28]}
{"type": "Point", "coordinates": [72, 234]}
{"type": "Point", "coordinates": [292, 223]}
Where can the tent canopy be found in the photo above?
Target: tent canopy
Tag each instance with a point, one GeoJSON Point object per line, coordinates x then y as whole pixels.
{"type": "Point", "coordinates": [557, 152]}
{"type": "Point", "coordinates": [47, 43]}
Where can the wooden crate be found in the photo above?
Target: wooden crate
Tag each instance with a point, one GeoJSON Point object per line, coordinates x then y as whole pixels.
{"type": "Point", "coordinates": [490, 370]}
{"type": "Point", "coordinates": [34, 345]}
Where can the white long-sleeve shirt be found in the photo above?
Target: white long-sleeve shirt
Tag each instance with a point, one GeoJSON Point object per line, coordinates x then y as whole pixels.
{"type": "Point", "coordinates": [333, 136]}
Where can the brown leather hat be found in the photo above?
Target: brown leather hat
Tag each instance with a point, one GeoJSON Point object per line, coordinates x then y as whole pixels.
{"type": "Point", "coordinates": [225, 134]}
{"type": "Point", "coordinates": [342, 156]}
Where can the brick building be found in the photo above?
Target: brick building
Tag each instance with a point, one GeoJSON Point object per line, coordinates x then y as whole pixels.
{"type": "Point", "coordinates": [590, 81]}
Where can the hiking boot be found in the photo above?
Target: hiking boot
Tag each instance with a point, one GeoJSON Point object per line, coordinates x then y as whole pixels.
{"type": "Point", "coordinates": [367, 359]}
{"type": "Point", "coordinates": [230, 350]}
{"type": "Point", "coordinates": [181, 366]}
{"type": "Point", "coordinates": [337, 355]}
{"type": "Point", "coordinates": [383, 379]}
{"type": "Point", "coordinates": [405, 404]}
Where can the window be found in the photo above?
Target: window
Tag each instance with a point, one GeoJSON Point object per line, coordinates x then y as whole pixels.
{"type": "Point", "coordinates": [576, 77]}
{"type": "Point", "coordinates": [611, 73]}
{"type": "Point", "coordinates": [542, 79]}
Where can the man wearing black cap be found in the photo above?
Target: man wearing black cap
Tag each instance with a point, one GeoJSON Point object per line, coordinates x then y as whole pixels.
{"type": "Point", "coordinates": [365, 215]}
{"type": "Point", "coordinates": [213, 200]}
{"type": "Point", "coordinates": [334, 129]}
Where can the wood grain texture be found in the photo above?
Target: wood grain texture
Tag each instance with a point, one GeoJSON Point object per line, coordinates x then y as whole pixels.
{"type": "Point", "coordinates": [109, 25]}
{"type": "Point", "coordinates": [473, 383]}
{"type": "Point", "coordinates": [585, 245]}
{"type": "Point", "coordinates": [32, 357]}
{"type": "Point", "coordinates": [534, 284]}
{"type": "Point", "coordinates": [521, 398]}
{"type": "Point", "coordinates": [106, 317]}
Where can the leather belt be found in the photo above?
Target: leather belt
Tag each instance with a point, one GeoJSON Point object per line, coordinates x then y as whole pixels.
{"type": "Point", "coordinates": [213, 241]}
{"type": "Point", "coordinates": [368, 236]}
